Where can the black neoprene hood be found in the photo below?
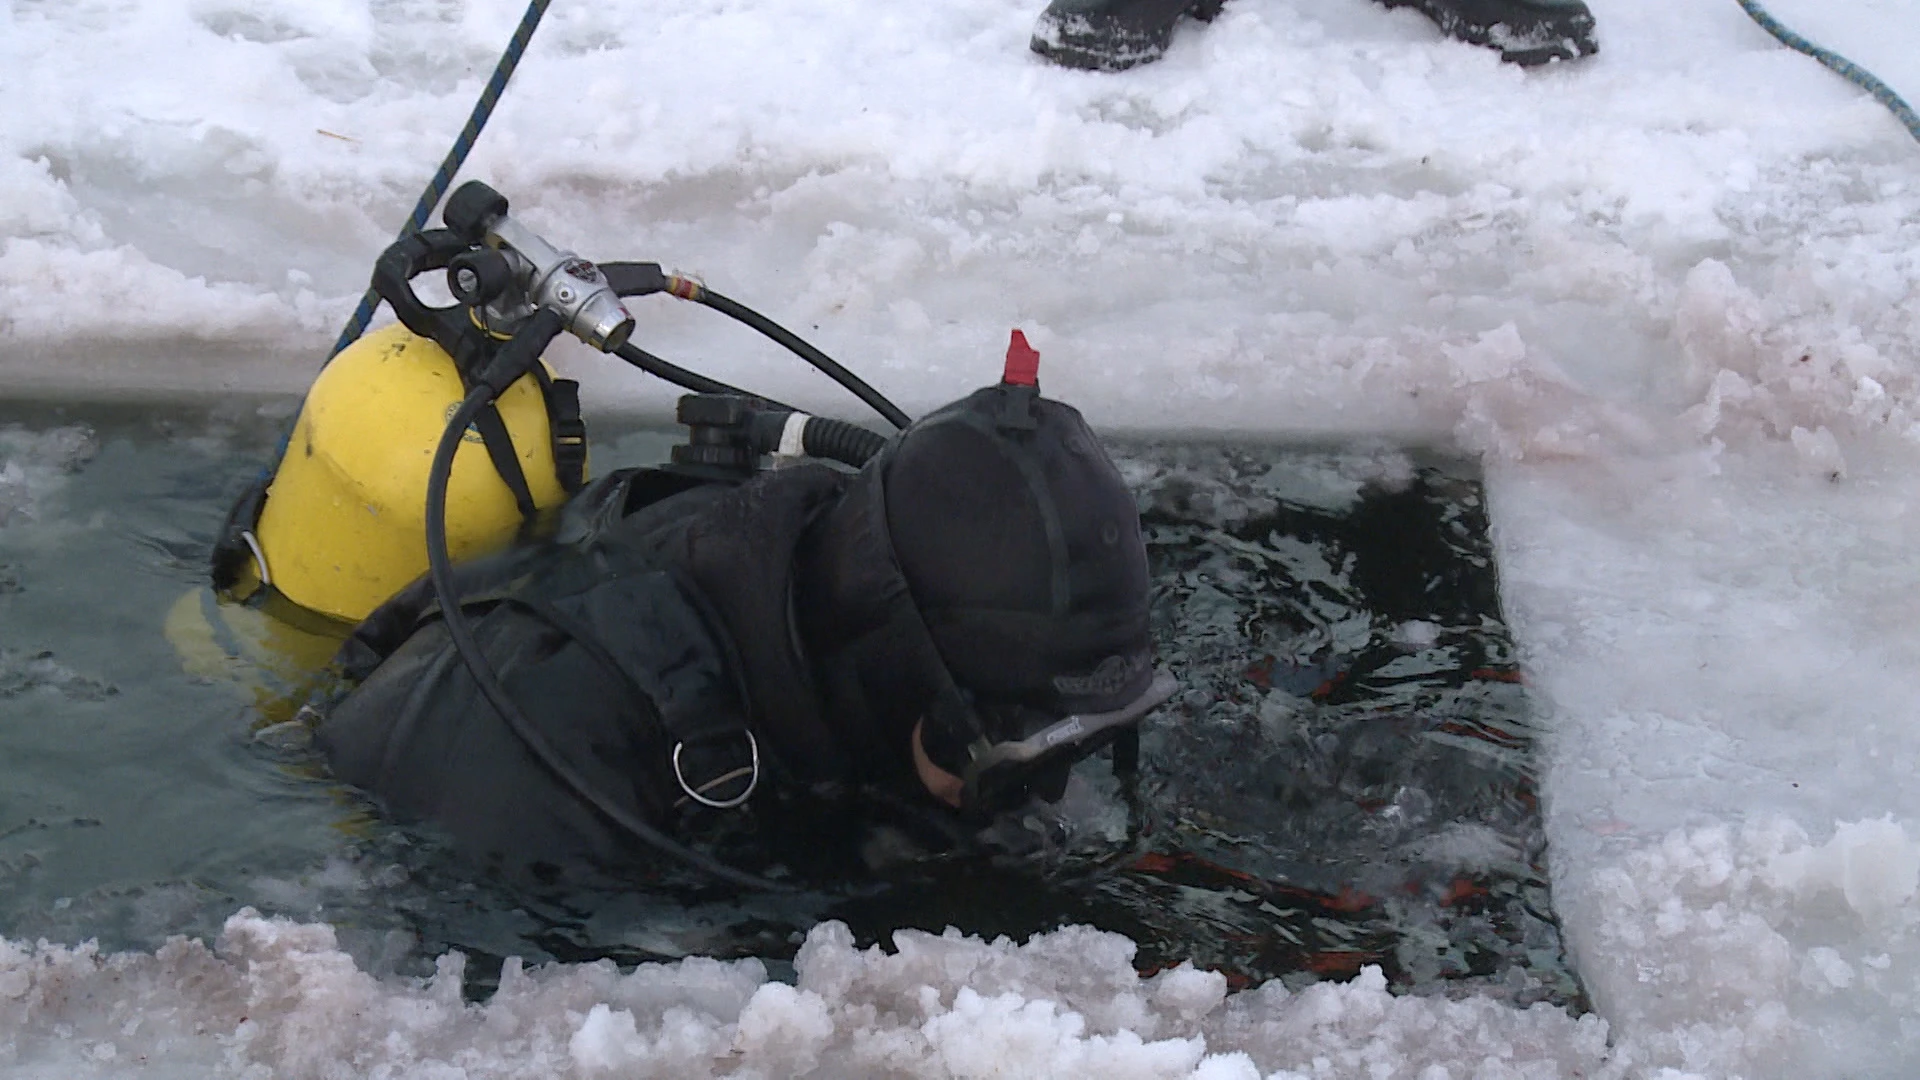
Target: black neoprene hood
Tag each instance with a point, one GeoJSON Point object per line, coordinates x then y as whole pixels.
{"type": "Point", "coordinates": [1021, 546]}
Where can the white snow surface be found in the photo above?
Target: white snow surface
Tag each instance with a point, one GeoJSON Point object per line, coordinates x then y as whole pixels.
{"type": "Point", "coordinates": [1667, 293]}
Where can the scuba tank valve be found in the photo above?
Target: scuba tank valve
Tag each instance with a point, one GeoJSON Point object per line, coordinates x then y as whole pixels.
{"type": "Point", "coordinates": [528, 274]}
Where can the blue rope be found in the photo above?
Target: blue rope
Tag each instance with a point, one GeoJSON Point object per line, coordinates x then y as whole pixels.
{"type": "Point", "coordinates": [1838, 64]}
{"type": "Point", "coordinates": [456, 157]}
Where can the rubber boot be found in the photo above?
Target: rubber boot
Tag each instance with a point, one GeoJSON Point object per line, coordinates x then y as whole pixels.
{"type": "Point", "coordinates": [1113, 35]}
{"type": "Point", "coordinates": [1524, 32]}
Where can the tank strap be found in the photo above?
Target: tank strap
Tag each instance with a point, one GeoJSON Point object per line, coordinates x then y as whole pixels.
{"type": "Point", "coordinates": [569, 431]}
{"type": "Point", "coordinates": [493, 432]}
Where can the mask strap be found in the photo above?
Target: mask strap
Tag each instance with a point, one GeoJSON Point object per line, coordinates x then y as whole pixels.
{"type": "Point", "coordinates": [950, 713]}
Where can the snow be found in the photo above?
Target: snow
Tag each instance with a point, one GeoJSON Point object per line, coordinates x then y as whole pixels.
{"type": "Point", "coordinates": [276, 998]}
{"type": "Point", "coordinates": [1668, 293]}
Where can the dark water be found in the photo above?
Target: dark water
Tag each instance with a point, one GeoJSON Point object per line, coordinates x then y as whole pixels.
{"type": "Point", "coordinates": [1346, 779]}
{"type": "Point", "coordinates": [1349, 778]}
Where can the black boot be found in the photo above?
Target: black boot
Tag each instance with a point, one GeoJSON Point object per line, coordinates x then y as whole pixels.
{"type": "Point", "coordinates": [1525, 32]}
{"type": "Point", "coordinates": [1112, 35]}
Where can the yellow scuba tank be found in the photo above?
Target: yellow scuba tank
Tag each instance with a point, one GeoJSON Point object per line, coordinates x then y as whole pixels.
{"type": "Point", "coordinates": [343, 526]}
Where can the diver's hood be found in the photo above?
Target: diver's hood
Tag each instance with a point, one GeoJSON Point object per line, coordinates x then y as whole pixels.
{"type": "Point", "coordinates": [1021, 546]}
{"type": "Point", "coordinates": [986, 575]}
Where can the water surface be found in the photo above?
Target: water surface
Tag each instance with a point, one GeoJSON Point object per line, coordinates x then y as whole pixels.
{"type": "Point", "coordinates": [1346, 778]}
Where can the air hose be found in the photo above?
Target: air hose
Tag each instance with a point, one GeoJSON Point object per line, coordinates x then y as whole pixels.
{"type": "Point", "coordinates": [1838, 64]}
{"type": "Point", "coordinates": [512, 361]}
{"type": "Point", "coordinates": [630, 279]}
{"type": "Point", "coordinates": [840, 441]}
{"type": "Point", "coordinates": [688, 289]}
{"type": "Point", "coordinates": [674, 373]}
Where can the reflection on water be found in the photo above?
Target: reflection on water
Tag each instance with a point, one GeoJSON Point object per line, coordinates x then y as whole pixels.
{"type": "Point", "coordinates": [1349, 778]}
{"type": "Point", "coordinates": [1345, 779]}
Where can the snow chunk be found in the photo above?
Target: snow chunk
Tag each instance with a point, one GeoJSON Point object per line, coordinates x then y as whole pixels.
{"type": "Point", "coordinates": [1871, 863]}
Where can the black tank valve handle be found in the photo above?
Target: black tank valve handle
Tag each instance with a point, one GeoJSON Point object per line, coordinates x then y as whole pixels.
{"type": "Point", "coordinates": [479, 277]}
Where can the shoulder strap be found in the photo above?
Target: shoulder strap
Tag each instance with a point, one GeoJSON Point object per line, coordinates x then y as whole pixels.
{"type": "Point", "coordinates": [714, 759]}
{"type": "Point", "coordinates": [738, 554]}
{"type": "Point", "coordinates": [568, 430]}
{"type": "Point", "coordinates": [493, 432]}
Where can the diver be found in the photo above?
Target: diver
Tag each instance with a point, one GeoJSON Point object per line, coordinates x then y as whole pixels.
{"type": "Point", "coordinates": [957, 622]}
{"type": "Point", "coordinates": [591, 675]}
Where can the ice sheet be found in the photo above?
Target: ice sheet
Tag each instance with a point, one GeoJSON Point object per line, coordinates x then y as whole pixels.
{"type": "Point", "coordinates": [1669, 292]}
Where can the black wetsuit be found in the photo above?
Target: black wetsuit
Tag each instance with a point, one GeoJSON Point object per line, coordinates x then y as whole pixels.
{"type": "Point", "coordinates": [646, 623]}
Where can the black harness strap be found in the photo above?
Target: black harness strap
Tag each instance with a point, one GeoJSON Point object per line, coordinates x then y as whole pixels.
{"type": "Point", "coordinates": [582, 637]}
{"type": "Point", "coordinates": [569, 431]}
{"type": "Point", "coordinates": [682, 727]}
{"type": "Point", "coordinates": [493, 432]}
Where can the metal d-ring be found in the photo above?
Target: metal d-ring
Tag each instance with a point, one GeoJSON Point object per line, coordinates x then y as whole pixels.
{"type": "Point", "coordinates": [752, 744]}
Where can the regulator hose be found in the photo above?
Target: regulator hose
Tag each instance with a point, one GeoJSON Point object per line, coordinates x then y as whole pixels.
{"type": "Point", "coordinates": [688, 289]}
{"type": "Point", "coordinates": [674, 373]}
{"type": "Point", "coordinates": [521, 353]}
{"type": "Point", "coordinates": [646, 279]}
{"type": "Point", "coordinates": [771, 431]}
{"type": "Point", "coordinates": [840, 441]}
